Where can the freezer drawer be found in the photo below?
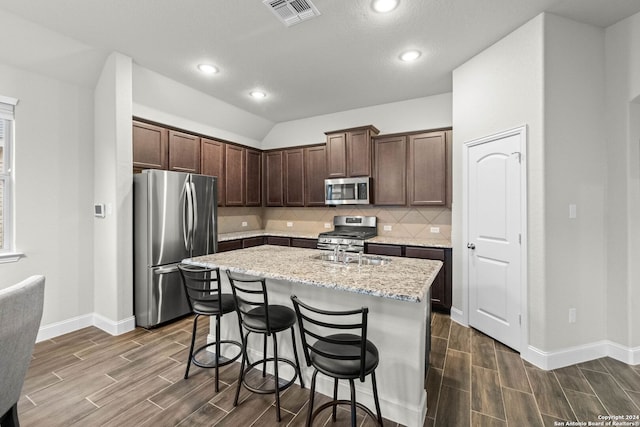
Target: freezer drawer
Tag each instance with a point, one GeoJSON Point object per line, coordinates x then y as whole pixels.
{"type": "Point", "coordinates": [161, 298]}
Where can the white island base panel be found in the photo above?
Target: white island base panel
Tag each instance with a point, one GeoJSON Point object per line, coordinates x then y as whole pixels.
{"type": "Point", "coordinates": [398, 328]}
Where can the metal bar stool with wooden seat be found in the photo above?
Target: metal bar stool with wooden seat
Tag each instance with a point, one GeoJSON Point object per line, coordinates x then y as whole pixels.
{"type": "Point", "coordinates": [258, 316]}
{"type": "Point", "coordinates": [339, 355]}
{"type": "Point", "coordinates": [204, 293]}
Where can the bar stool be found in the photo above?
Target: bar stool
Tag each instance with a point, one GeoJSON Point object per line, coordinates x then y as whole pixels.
{"type": "Point", "coordinates": [205, 297]}
{"type": "Point", "coordinates": [339, 355]}
{"type": "Point", "coordinates": [256, 315]}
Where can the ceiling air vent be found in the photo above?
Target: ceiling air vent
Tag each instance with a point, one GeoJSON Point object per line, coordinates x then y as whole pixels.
{"type": "Point", "coordinates": [292, 12]}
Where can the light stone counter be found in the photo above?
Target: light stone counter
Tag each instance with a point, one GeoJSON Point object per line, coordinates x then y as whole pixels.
{"type": "Point", "coordinates": [223, 237]}
{"type": "Point", "coordinates": [396, 294]}
{"type": "Point", "coordinates": [387, 240]}
{"type": "Point", "coordinates": [406, 279]}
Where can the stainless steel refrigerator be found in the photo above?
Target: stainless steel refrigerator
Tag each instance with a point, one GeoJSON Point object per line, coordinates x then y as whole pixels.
{"type": "Point", "coordinates": [175, 217]}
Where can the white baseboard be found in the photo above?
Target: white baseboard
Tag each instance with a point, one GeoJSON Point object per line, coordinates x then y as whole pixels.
{"type": "Point", "coordinates": [549, 360]}
{"type": "Point", "coordinates": [56, 329]}
{"type": "Point", "coordinates": [458, 316]}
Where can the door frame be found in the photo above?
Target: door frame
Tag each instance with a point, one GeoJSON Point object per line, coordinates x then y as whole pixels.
{"type": "Point", "coordinates": [522, 132]}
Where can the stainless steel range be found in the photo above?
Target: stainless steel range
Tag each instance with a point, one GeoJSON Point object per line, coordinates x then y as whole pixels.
{"type": "Point", "coordinates": [349, 233]}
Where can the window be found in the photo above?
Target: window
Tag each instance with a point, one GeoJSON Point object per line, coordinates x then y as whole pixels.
{"type": "Point", "coordinates": [7, 249]}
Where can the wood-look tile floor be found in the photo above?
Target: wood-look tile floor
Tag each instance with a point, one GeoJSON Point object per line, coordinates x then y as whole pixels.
{"type": "Point", "coordinates": [90, 378]}
{"type": "Point", "coordinates": [474, 380]}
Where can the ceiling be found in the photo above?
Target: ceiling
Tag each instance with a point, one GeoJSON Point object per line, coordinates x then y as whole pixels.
{"type": "Point", "coordinates": [343, 59]}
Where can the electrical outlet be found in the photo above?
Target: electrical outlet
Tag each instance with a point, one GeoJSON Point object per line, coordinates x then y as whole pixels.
{"type": "Point", "coordinates": [572, 315]}
{"type": "Point", "coordinates": [327, 225]}
{"type": "Point", "coordinates": [289, 224]}
{"type": "Point", "coordinates": [435, 229]}
{"type": "Point", "coordinates": [244, 223]}
{"type": "Point", "coordinates": [387, 228]}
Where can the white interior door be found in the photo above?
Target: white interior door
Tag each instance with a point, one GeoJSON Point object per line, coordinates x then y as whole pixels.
{"type": "Point", "coordinates": [494, 233]}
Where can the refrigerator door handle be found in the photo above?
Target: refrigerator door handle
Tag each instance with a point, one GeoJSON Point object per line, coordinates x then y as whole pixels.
{"type": "Point", "coordinates": [194, 199]}
{"type": "Point", "coordinates": [166, 270]}
{"type": "Point", "coordinates": [187, 220]}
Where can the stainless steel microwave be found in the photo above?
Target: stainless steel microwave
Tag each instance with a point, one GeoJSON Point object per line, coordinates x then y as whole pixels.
{"type": "Point", "coordinates": [347, 191]}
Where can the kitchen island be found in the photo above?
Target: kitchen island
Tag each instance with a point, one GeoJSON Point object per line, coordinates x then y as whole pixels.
{"type": "Point", "coordinates": [396, 293]}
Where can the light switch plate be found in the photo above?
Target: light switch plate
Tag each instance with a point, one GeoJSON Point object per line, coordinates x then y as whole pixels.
{"type": "Point", "coordinates": [434, 229]}
{"type": "Point", "coordinates": [573, 211]}
{"type": "Point", "coordinates": [387, 228]}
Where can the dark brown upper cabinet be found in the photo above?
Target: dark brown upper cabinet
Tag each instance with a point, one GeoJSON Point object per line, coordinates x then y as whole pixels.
{"type": "Point", "coordinates": [234, 175]}
{"type": "Point", "coordinates": [274, 176]}
{"type": "Point", "coordinates": [427, 169]}
{"type": "Point", "coordinates": [253, 180]}
{"type": "Point", "coordinates": [150, 146]}
{"type": "Point", "coordinates": [349, 152]}
{"type": "Point", "coordinates": [390, 170]}
{"type": "Point", "coordinates": [184, 152]}
{"type": "Point", "coordinates": [294, 177]}
{"type": "Point", "coordinates": [212, 163]}
{"type": "Point", "coordinates": [315, 171]}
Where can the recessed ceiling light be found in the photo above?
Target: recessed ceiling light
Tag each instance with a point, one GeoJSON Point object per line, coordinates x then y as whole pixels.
{"type": "Point", "coordinates": [207, 68]}
{"type": "Point", "coordinates": [410, 55]}
{"type": "Point", "coordinates": [384, 6]}
{"type": "Point", "coordinates": [257, 94]}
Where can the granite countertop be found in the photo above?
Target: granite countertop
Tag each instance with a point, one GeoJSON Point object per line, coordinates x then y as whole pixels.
{"type": "Point", "coordinates": [223, 237]}
{"type": "Point", "coordinates": [433, 243]}
{"type": "Point", "coordinates": [406, 279]}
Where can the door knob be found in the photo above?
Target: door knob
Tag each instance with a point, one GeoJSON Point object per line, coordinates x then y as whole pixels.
{"type": "Point", "coordinates": [471, 246]}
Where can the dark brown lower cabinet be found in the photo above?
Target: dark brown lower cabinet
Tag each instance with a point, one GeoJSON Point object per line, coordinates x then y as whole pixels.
{"type": "Point", "coordinates": [278, 241]}
{"type": "Point", "coordinates": [252, 241]}
{"type": "Point", "coordinates": [304, 243]}
{"type": "Point", "coordinates": [441, 287]}
{"type": "Point", "coordinates": [229, 245]}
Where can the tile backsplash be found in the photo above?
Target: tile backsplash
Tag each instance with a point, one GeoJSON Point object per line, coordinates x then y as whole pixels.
{"type": "Point", "coordinates": [411, 222]}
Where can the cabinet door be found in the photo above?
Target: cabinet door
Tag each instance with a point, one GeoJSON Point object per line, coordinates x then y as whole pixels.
{"type": "Point", "coordinates": [427, 171]}
{"type": "Point", "coordinates": [212, 163]}
{"type": "Point", "coordinates": [315, 172]}
{"type": "Point", "coordinates": [279, 241]}
{"type": "Point", "coordinates": [337, 155]}
{"type": "Point", "coordinates": [253, 181]}
{"type": "Point", "coordinates": [294, 177]}
{"type": "Point", "coordinates": [149, 146]}
{"type": "Point", "coordinates": [441, 286]}
{"type": "Point", "coordinates": [390, 183]}
{"type": "Point", "coordinates": [378, 249]}
{"type": "Point", "coordinates": [234, 175]}
{"type": "Point", "coordinates": [229, 245]}
{"type": "Point", "coordinates": [274, 170]}
{"type": "Point", "coordinates": [297, 242]}
{"type": "Point", "coordinates": [359, 153]}
{"type": "Point", "coordinates": [252, 241]}
{"type": "Point", "coordinates": [184, 152]}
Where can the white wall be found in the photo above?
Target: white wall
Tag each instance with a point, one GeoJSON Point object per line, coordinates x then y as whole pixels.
{"type": "Point", "coordinates": [113, 249]}
{"type": "Point", "coordinates": [415, 114]}
{"type": "Point", "coordinates": [502, 88]}
{"type": "Point", "coordinates": [54, 190]}
{"type": "Point", "coordinates": [166, 101]}
{"type": "Point", "coordinates": [575, 173]}
{"type": "Point", "coordinates": [623, 181]}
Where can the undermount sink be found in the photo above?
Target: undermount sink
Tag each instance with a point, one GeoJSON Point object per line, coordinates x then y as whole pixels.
{"type": "Point", "coordinates": [352, 259]}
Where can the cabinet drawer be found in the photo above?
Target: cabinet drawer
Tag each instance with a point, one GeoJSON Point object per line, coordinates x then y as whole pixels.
{"type": "Point", "coordinates": [424, 253]}
{"type": "Point", "coordinates": [229, 245]}
{"type": "Point", "coordinates": [252, 241]}
{"type": "Point", "coordinates": [377, 249]}
{"type": "Point", "coordinates": [304, 243]}
{"type": "Point", "coordinates": [279, 241]}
